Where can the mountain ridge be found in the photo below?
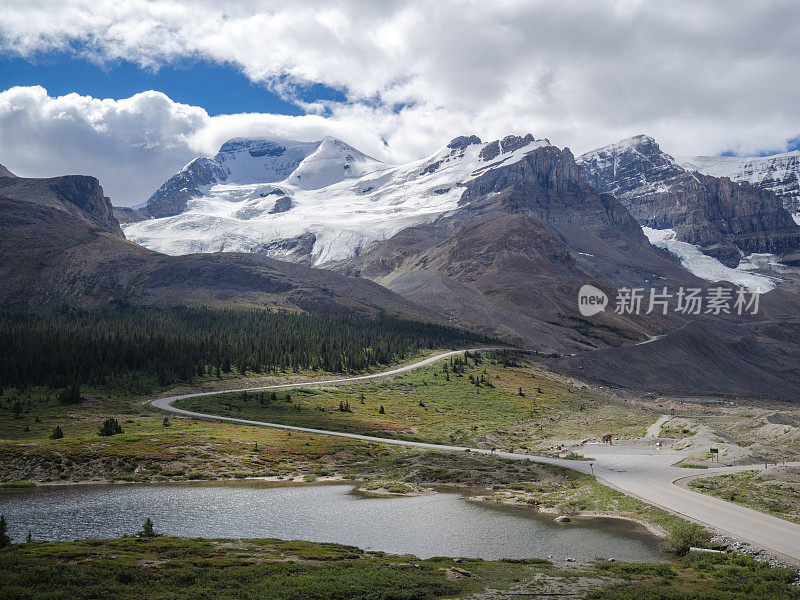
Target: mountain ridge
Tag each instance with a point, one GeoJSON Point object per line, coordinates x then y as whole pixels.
{"type": "Point", "coordinates": [728, 220]}
{"type": "Point", "coordinates": [779, 173]}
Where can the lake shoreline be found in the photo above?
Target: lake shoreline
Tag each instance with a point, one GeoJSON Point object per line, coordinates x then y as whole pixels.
{"type": "Point", "coordinates": [470, 493]}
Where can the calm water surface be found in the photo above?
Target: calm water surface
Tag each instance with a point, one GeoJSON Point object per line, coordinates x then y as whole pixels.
{"type": "Point", "coordinates": [441, 524]}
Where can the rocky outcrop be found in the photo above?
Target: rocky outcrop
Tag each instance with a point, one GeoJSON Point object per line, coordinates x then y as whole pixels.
{"type": "Point", "coordinates": [5, 172]}
{"type": "Point", "coordinates": [726, 219]}
{"type": "Point", "coordinates": [79, 195]}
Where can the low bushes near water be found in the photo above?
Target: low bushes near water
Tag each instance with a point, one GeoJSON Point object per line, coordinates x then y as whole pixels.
{"type": "Point", "coordinates": [169, 568]}
{"type": "Point", "coordinates": [683, 535]}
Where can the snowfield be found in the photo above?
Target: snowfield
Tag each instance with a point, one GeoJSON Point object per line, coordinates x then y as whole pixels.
{"type": "Point", "coordinates": [707, 267]}
{"type": "Point", "coordinates": [272, 195]}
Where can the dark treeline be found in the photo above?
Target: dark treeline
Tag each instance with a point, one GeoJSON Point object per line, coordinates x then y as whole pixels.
{"type": "Point", "coordinates": [94, 347]}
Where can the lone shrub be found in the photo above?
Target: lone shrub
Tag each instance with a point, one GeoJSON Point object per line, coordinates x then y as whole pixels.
{"type": "Point", "coordinates": [71, 395]}
{"type": "Point", "coordinates": [683, 536]}
{"type": "Point", "coordinates": [57, 434]}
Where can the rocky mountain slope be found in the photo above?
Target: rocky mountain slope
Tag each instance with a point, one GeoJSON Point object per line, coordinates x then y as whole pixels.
{"type": "Point", "coordinates": [525, 236]}
{"type": "Point", "coordinates": [726, 219]}
{"type": "Point", "coordinates": [60, 243]}
{"type": "Point", "coordinates": [5, 172]}
{"type": "Point", "coordinates": [78, 195]}
{"type": "Point", "coordinates": [778, 173]}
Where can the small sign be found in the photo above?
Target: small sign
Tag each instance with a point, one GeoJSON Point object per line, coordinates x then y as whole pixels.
{"type": "Point", "coordinates": [714, 450]}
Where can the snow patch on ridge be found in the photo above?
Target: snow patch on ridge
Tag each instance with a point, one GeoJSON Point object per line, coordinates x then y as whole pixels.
{"type": "Point", "coordinates": [704, 266]}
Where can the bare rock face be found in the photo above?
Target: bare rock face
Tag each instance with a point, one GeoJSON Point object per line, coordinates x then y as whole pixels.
{"type": "Point", "coordinates": [79, 195]}
{"type": "Point", "coordinates": [726, 219]}
{"type": "Point", "coordinates": [5, 172]}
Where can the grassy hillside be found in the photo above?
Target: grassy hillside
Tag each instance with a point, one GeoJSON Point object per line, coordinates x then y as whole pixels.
{"type": "Point", "coordinates": [482, 401]}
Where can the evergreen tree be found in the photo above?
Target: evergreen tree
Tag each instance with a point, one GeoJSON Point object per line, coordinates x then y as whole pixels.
{"type": "Point", "coordinates": [110, 427]}
{"type": "Point", "coordinates": [5, 540]}
{"type": "Point", "coordinates": [381, 410]}
{"type": "Point", "coordinates": [57, 434]}
{"type": "Point", "coordinates": [29, 537]}
{"type": "Point", "coordinates": [147, 529]}
{"type": "Point", "coordinates": [165, 422]}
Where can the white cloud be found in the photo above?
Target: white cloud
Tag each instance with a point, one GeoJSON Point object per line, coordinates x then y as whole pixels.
{"type": "Point", "coordinates": [700, 77]}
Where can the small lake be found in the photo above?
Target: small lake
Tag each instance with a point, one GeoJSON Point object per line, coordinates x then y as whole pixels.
{"type": "Point", "coordinates": [441, 524]}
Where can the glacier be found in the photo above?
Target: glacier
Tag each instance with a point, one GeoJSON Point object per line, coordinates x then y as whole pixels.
{"type": "Point", "coordinates": [707, 267]}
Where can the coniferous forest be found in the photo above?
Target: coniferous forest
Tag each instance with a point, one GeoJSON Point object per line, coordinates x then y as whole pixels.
{"type": "Point", "coordinates": [57, 348]}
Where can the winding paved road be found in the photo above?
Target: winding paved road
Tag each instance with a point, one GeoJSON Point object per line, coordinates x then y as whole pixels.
{"type": "Point", "coordinates": [644, 472]}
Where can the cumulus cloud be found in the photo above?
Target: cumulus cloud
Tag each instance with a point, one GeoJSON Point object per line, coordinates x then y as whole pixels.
{"type": "Point", "coordinates": [701, 77]}
{"type": "Point", "coordinates": [127, 143]}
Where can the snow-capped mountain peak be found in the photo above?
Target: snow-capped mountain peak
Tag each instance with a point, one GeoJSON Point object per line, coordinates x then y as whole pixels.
{"type": "Point", "coordinates": [332, 161]}
{"type": "Point", "coordinates": [260, 160]}
{"type": "Point", "coordinates": [310, 201]}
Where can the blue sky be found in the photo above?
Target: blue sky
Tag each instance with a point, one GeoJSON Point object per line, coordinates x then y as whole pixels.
{"type": "Point", "coordinates": [218, 88]}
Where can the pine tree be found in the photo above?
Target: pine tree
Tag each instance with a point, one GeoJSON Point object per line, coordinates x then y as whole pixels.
{"type": "Point", "coordinates": [57, 433]}
{"type": "Point", "coordinates": [147, 529]}
{"type": "Point", "coordinates": [5, 540]}
{"type": "Point", "coordinates": [381, 410]}
{"type": "Point", "coordinates": [110, 427]}
{"type": "Point", "coordinates": [166, 422]}
{"type": "Point", "coordinates": [29, 538]}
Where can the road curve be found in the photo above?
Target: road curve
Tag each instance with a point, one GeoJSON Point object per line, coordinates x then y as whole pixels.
{"type": "Point", "coordinates": [649, 475]}
{"type": "Point", "coordinates": [166, 402]}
